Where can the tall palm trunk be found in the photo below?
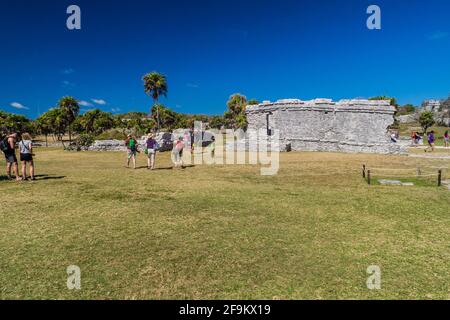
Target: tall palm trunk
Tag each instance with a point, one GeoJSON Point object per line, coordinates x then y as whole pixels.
{"type": "Point", "coordinates": [157, 115]}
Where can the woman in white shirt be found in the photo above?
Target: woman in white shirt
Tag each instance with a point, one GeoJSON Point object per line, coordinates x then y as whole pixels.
{"type": "Point", "coordinates": [26, 155]}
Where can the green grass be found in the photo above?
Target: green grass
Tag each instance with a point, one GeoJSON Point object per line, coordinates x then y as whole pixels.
{"type": "Point", "coordinates": [222, 232]}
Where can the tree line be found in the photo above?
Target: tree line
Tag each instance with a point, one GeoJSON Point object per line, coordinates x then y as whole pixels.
{"type": "Point", "coordinates": [65, 118]}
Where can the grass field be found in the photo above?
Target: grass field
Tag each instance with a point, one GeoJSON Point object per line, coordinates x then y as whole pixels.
{"type": "Point", "coordinates": [222, 232]}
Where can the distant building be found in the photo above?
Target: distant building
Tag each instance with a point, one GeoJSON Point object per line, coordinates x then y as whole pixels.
{"type": "Point", "coordinates": [431, 105]}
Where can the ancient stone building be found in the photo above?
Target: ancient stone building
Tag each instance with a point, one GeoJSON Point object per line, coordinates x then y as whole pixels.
{"type": "Point", "coordinates": [324, 125]}
{"type": "Point", "coordinates": [431, 105]}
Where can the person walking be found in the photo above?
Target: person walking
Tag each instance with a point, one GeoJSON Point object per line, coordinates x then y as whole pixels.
{"type": "Point", "coordinates": [446, 139]}
{"type": "Point", "coordinates": [132, 149]}
{"type": "Point", "coordinates": [9, 149]}
{"type": "Point", "coordinates": [177, 152]}
{"type": "Point", "coordinates": [393, 137]}
{"type": "Point", "coordinates": [26, 156]}
{"type": "Point", "coordinates": [414, 138]}
{"type": "Point", "coordinates": [431, 141]}
{"type": "Point", "coordinates": [152, 146]}
{"type": "Point", "coordinates": [212, 147]}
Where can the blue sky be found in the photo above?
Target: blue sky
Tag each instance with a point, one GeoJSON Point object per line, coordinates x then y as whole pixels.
{"type": "Point", "coordinates": [210, 49]}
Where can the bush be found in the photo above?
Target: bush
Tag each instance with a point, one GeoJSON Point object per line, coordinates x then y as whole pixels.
{"type": "Point", "coordinates": [85, 140]}
{"type": "Point", "coordinates": [426, 120]}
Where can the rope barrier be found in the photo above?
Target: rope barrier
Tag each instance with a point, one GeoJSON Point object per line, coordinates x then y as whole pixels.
{"type": "Point", "coordinates": [388, 169]}
{"type": "Point", "coordinates": [406, 175]}
{"type": "Point", "coordinates": [392, 173]}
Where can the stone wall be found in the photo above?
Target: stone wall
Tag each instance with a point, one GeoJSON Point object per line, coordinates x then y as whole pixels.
{"type": "Point", "coordinates": [164, 140]}
{"type": "Point", "coordinates": [408, 118]}
{"type": "Point", "coordinates": [324, 125]}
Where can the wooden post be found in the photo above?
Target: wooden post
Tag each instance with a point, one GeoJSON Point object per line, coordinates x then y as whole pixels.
{"type": "Point", "coordinates": [364, 171]}
{"type": "Point", "coordinates": [419, 172]}
{"type": "Point", "coordinates": [440, 178]}
{"type": "Point", "coordinates": [368, 177]}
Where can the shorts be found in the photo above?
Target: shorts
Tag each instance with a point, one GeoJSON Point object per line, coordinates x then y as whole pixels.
{"type": "Point", "coordinates": [176, 156]}
{"type": "Point", "coordinates": [151, 152]}
{"type": "Point", "coordinates": [10, 157]}
{"type": "Point", "coordinates": [26, 157]}
{"type": "Point", "coordinates": [131, 154]}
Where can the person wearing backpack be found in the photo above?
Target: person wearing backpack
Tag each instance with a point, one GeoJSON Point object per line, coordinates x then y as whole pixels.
{"type": "Point", "coordinates": [8, 147]}
{"type": "Point", "coordinates": [132, 149]}
{"type": "Point", "coordinates": [26, 156]}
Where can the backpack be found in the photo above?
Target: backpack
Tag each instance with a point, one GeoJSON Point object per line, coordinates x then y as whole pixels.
{"type": "Point", "coordinates": [4, 146]}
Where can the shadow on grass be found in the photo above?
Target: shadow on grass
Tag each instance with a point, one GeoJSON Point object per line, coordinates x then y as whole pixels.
{"type": "Point", "coordinates": [163, 168]}
{"type": "Point", "coordinates": [38, 178]}
{"type": "Point", "coordinates": [48, 177]}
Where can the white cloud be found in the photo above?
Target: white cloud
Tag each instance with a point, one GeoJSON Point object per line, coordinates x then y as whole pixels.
{"type": "Point", "coordinates": [99, 101]}
{"type": "Point", "coordinates": [437, 35]}
{"type": "Point", "coordinates": [18, 105]}
{"type": "Point", "coordinates": [115, 110]}
{"type": "Point", "coordinates": [67, 84]}
{"type": "Point", "coordinates": [85, 103]}
{"type": "Point", "coordinates": [67, 71]}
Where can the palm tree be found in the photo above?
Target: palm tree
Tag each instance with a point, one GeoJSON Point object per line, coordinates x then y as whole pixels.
{"type": "Point", "coordinates": [155, 85]}
{"type": "Point", "coordinates": [236, 111]}
{"type": "Point", "coordinates": [43, 126]}
{"type": "Point", "coordinates": [71, 109]}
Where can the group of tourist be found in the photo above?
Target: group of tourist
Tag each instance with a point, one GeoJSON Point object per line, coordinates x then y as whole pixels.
{"type": "Point", "coordinates": [188, 140]}
{"type": "Point", "coordinates": [151, 146]}
{"type": "Point", "coordinates": [431, 140]}
{"type": "Point", "coordinates": [8, 146]}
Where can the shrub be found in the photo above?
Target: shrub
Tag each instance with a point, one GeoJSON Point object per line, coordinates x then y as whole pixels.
{"type": "Point", "coordinates": [85, 140]}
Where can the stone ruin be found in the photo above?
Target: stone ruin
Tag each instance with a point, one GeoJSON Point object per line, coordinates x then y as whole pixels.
{"type": "Point", "coordinates": [323, 125]}
{"type": "Point", "coordinates": [164, 140]}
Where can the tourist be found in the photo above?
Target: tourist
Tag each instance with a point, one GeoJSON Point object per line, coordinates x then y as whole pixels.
{"type": "Point", "coordinates": [418, 138]}
{"type": "Point", "coordinates": [26, 156]}
{"type": "Point", "coordinates": [446, 139]}
{"type": "Point", "coordinates": [152, 146]}
{"type": "Point", "coordinates": [394, 137]}
{"type": "Point", "coordinates": [187, 139]}
{"type": "Point", "coordinates": [431, 140]}
{"type": "Point", "coordinates": [177, 152]}
{"type": "Point", "coordinates": [414, 138]}
{"type": "Point", "coordinates": [132, 149]}
{"type": "Point", "coordinates": [10, 155]}
{"type": "Point", "coordinates": [212, 146]}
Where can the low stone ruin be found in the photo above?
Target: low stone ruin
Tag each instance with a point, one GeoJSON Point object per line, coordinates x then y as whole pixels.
{"type": "Point", "coordinates": [164, 140]}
